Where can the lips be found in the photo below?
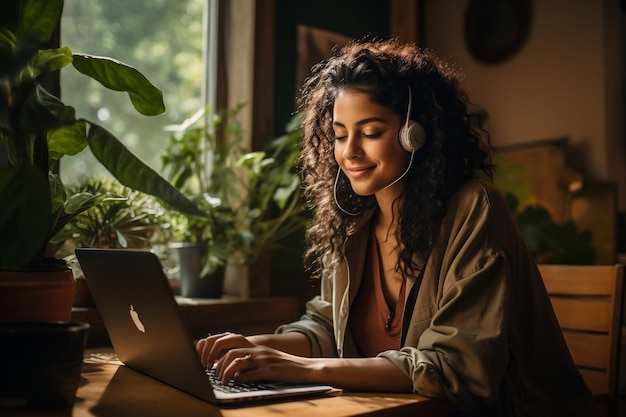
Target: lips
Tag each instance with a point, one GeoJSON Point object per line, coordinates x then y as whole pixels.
{"type": "Point", "coordinates": [358, 171]}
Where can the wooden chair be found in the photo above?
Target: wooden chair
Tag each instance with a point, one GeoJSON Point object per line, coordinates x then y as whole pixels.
{"type": "Point", "coordinates": [587, 300]}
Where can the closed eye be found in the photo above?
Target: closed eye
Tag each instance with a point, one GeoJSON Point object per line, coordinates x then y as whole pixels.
{"type": "Point", "coordinates": [374, 135]}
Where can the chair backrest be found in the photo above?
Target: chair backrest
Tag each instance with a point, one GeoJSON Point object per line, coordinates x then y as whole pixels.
{"type": "Point", "coordinates": [587, 300]}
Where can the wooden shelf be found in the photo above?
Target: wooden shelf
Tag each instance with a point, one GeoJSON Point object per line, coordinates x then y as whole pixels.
{"type": "Point", "coordinates": [203, 316]}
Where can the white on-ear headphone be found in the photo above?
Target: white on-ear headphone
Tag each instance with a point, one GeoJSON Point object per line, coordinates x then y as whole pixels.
{"type": "Point", "coordinates": [412, 135]}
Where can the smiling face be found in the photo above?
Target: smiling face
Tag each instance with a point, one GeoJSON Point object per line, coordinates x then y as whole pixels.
{"type": "Point", "coordinates": [366, 144]}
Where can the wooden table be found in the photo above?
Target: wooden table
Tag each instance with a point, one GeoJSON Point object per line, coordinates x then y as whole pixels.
{"type": "Point", "coordinates": [109, 389]}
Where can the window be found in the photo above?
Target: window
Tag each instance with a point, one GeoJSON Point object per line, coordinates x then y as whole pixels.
{"type": "Point", "coordinates": [162, 39]}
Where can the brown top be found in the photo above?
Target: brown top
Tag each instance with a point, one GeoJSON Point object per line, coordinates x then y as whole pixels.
{"type": "Point", "coordinates": [375, 325]}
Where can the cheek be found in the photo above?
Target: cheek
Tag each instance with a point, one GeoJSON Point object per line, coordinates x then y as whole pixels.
{"type": "Point", "coordinates": [338, 152]}
{"type": "Point", "coordinates": [390, 150]}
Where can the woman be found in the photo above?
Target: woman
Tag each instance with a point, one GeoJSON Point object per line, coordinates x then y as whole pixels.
{"type": "Point", "coordinates": [426, 284]}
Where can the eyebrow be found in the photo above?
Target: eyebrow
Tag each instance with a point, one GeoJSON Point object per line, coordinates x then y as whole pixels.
{"type": "Point", "coordinates": [363, 122]}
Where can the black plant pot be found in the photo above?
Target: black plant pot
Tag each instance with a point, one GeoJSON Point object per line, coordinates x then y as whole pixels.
{"type": "Point", "coordinates": [40, 363]}
{"type": "Point", "coordinates": [191, 260]}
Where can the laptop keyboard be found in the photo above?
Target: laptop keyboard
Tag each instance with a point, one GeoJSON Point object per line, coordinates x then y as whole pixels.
{"type": "Point", "coordinates": [234, 387]}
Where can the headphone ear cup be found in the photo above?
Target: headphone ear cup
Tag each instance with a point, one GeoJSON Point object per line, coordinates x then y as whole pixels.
{"type": "Point", "coordinates": [412, 136]}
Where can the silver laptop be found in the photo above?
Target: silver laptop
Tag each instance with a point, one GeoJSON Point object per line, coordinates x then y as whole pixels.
{"type": "Point", "coordinates": [142, 318]}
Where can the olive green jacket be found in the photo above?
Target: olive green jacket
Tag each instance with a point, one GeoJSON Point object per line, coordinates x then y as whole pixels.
{"type": "Point", "coordinates": [482, 334]}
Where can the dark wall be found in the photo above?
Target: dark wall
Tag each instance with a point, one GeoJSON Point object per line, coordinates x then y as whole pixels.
{"type": "Point", "coordinates": [353, 18]}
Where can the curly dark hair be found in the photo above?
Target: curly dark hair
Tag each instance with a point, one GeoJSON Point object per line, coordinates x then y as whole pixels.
{"type": "Point", "coordinates": [455, 150]}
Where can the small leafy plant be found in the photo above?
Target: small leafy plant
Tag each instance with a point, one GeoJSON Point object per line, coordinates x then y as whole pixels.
{"type": "Point", "coordinates": [252, 199]}
{"type": "Point", "coordinates": [190, 162]}
{"type": "Point", "coordinates": [271, 208]}
{"type": "Point", "coordinates": [552, 243]}
{"type": "Point", "coordinates": [124, 218]}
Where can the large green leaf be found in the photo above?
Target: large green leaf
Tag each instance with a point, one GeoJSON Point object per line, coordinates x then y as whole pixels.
{"type": "Point", "coordinates": [39, 19]}
{"type": "Point", "coordinates": [67, 140]}
{"type": "Point", "coordinates": [116, 75]}
{"type": "Point", "coordinates": [133, 172]}
{"type": "Point", "coordinates": [24, 215]}
{"type": "Point", "coordinates": [49, 60]}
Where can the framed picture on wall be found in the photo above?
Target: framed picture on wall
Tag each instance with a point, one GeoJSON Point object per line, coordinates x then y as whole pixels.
{"type": "Point", "coordinates": [495, 30]}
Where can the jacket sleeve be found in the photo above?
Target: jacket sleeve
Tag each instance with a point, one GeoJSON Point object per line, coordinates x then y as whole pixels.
{"type": "Point", "coordinates": [316, 325]}
{"type": "Point", "coordinates": [317, 322]}
{"type": "Point", "coordinates": [463, 354]}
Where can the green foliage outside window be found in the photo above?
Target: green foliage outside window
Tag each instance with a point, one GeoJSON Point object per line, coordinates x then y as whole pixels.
{"type": "Point", "coordinates": [164, 39]}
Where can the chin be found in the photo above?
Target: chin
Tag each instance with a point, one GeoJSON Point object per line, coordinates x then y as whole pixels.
{"type": "Point", "coordinates": [363, 193]}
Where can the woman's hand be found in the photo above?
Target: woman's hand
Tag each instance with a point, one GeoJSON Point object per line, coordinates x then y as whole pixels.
{"type": "Point", "coordinates": [239, 359]}
{"type": "Point", "coordinates": [281, 358]}
{"type": "Point", "coordinates": [214, 347]}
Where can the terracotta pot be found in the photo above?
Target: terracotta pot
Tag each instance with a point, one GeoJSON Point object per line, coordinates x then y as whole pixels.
{"type": "Point", "coordinates": [82, 294]}
{"type": "Point", "coordinates": [29, 295]}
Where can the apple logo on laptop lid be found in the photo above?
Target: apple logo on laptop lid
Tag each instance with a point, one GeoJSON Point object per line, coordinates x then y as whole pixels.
{"type": "Point", "coordinates": [135, 316]}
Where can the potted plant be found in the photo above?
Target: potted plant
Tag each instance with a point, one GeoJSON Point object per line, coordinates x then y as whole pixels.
{"type": "Point", "coordinates": [198, 246]}
{"type": "Point", "coordinates": [124, 218]}
{"type": "Point", "coordinates": [36, 131]}
{"type": "Point", "coordinates": [251, 198]}
{"type": "Point", "coordinates": [549, 241]}
{"type": "Point", "coordinates": [271, 207]}
{"type": "Point", "coordinates": [266, 206]}
{"type": "Point", "coordinates": [201, 244]}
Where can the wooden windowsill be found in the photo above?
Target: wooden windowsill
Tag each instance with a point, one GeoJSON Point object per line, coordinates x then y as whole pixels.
{"type": "Point", "coordinates": [204, 316]}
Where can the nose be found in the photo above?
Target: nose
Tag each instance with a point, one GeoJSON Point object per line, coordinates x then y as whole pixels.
{"type": "Point", "coordinates": [352, 148]}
